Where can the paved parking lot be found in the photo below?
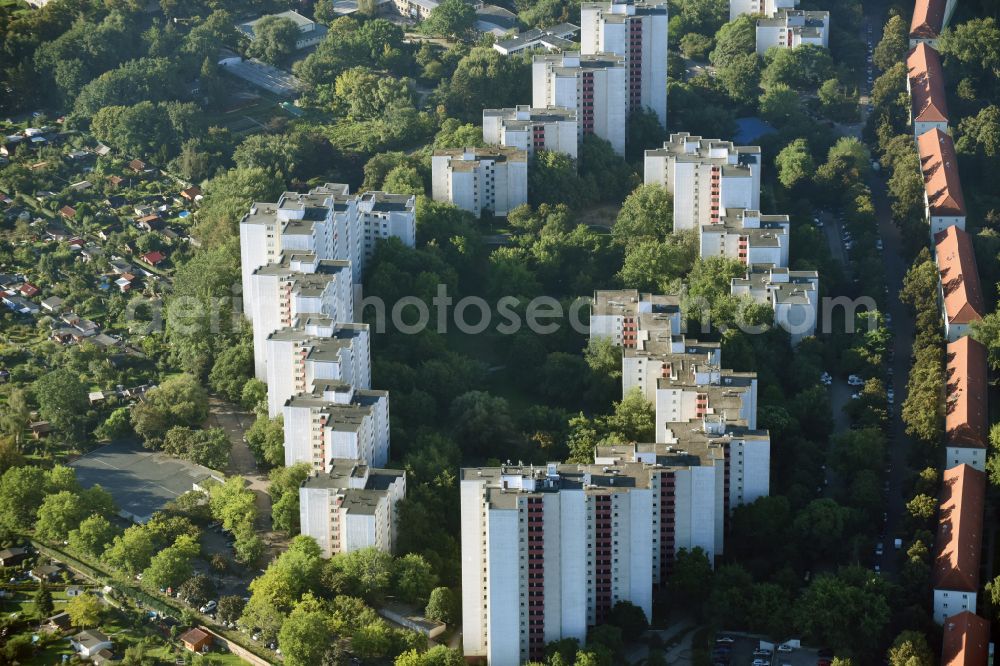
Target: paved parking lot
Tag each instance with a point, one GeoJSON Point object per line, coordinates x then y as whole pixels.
{"type": "Point", "coordinates": [141, 481]}
{"type": "Point", "coordinates": [745, 644]}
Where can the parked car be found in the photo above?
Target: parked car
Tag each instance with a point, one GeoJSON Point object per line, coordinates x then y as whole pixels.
{"type": "Point", "coordinates": [826, 379]}
{"type": "Point", "coordinates": [854, 380]}
{"type": "Point", "coordinates": [209, 607]}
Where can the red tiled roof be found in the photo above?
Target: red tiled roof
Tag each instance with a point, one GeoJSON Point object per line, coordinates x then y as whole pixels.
{"type": "Point", "coordinates": [966, 420]}
{"type": "Point", "coordinates": [153, 258]}
{"type": "Point", "coordinates": [28, 289]}
{"type": "Point", "coordinates": [960, 530]}
{"type": "Point", "coordinates": [956, 262]}
{"type": "Point", "coordinates": [67, 211]}
{"type": "Point", "coordinates": [939, 166]}
{"type": "Point", "coordinates": [928, 19]}
{"type": "Point", "coordinates": [966, 640]}
{"type": "Point", "coordinates": [928, 102]}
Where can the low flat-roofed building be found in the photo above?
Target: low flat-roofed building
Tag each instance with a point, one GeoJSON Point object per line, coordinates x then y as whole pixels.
{"type": "Point", "coordinates": [959, 543]}
{"type": "Point", "coordinates": [351, 506]}
{"type": "Point", "coordinates": [554, 38]}
{"type": "Point", "coordinates": [944, 202]}
{"type": "Point", "coordinates": [959, 288]}
{"type": "Point", "coordinates": [310, 32]}
{"type": "Point", "coordinates": [925, 84]}
{"type": "Point", "coordinates": [629, 318]}
{"type": "Point", "coordinates": [966, 416]}
{"type": "Point", "coordinates": [966, 640]}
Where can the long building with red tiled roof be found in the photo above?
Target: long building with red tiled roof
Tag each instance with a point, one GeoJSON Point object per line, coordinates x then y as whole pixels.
{"type": "Point", "coordinates": [929, 18]}
{"type": "Point", "coordinates": [944, 203]}
{"type": "Point", "coordinates": [959, 288]}
{"type": "Point", "coordinates": [959, 542]}
{"type": "Point", "coordinates": [966, 420]}
{"type": "Point", "coordinates": [966, 640]}
{"type": "Point", "coordinates": [925, 84]}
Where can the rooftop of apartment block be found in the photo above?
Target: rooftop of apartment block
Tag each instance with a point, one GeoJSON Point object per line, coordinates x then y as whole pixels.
{"type": "Point", "coordinates": [619, 12]}
{"type": "Point", "coordinates": [524, 116]}
{"type": "Point", "coordinates": [570, 63]}
{"type": "Point", "coordinates": [682, 146]}
{"type": "Point", "coordinates": [468, 159]}
{"type": "Point", "coordinates": [555, 36]}
{"type": "Point", "coordinates": [796, 18]}
{"type": "Point", "coordinates": [623, 302]}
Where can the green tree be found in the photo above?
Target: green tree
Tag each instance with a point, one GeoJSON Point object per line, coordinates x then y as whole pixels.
{"type": "Point", "coordinates": [893, 46]}
{"type": "Point", "coordinates": [232, 369]}
{"type": "Point", "coordinates": [22, 490]}
{"type": "Point", "coordinates": [62, 511]}
{"type": "Point", "coordinates": [229, 609]}
{"type": "Point", "coordinates": [795, 163]}
{"type": "Point", "coordinates": [740, 77]}
{"type": "Point", "coordinates": [451, 18]}
{"type": "Point", "coordinates": [691, 578]}
{"type": "Point", "coordinates": [132, 550]}
{"type": "Point", "coordinates": [800, 68]}
{"type": "Point", "coordinates": [173, 565]}
{"type": "Point", "coordinates": [363, 94]}
{"type": "Point", "coordinates": [62, 400]}
{"type": "Point", "coordinates": [85, 610]}
{"type": "Point", "coordinates": [652, 265]}
{"type": "Point", "coordinates": [266, 439]}
{"type": "Point", "coordinates": [922, 508]}
{"type": "Point", "coordinates": [43, 601]}
{"type": "Point", "coordinates": [910, 649]}
{"type": "Point", "coordinates": [197, 590]}
{"type": "Point", "coordinates": [646, 214]}
{"type": "Point", "coordinates": [306, 635]}
{"type": "Point", "coordinates": [366, 572]}
{"type": "Point", "coordinates": [209, 447]}
{"type": "Point", "coordinates": [439, 655]}
{"type": "Point", "coordinates": [413, 578]}
{"type": "Point", "coordinates": [695, 46]}
{"type": "Point", "coordinates": [779, 104]}
{"type": "Point", "coordinates": [274, 39]}
{"type": "Point", "coordinates": [178, 401]}
{"type": "Point", "coordinates": [847, 611]}
{"type": "Point", "coordinates": [93, 536]}
{"type": "Point", "coordinates": [442, 606]}
{"type": "Point", "coordinates": [734, 39]}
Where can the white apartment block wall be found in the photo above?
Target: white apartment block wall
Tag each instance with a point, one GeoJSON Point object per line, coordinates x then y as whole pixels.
{"type": "Point", "coordinates": [358, 530]}
{"type": "Point", "coordinates": [922, 126]}
{"type": "Point", "coordinates": [789, 29]}
{"type": "Point", "coordinates": [695, 510]}
{"type": "Point", "coordinates": [798, 318]}
{"type": "Point", "coordinates": [704, 182]}
{"type": "Point", "coordinates": [939, 223]}
{"type": "Point", "coordinates": [478, 181]}
{"type": "Point", "coordinates": [972, 456]}
{"type": "Point", "coordinates": [475, 588]}
{"type": "Point", "coordinates": [596, 86]}
{"type": "Point", "coordinates": [639, 33]}
{"type": "Point", "coordinates": [573, 569]}
{"type": "Point", "coordinates": [316, 516]}
{"type": "Point", "coordinates": [952, 602]}
{"type": "Point", "coordinates": [503, 580]}
{"type": "Point", "coordinates": [532, 130]}
{"type": "Point", "coordinates": [675, 404]}
{"type": "Point", "coordinates": [753, 7]}
{"type": "Point", "coordinates": [260, 245]}
{"type": "Point", "coordinates": [751, 461]}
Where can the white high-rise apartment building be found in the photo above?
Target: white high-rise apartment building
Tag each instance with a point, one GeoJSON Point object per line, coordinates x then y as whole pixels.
{"type": "Point", "coordinates": [481, 179]}
{"type": "Point", "coordinates": [793, 295]}
{"type": "Point", "coordinates": [637, 31]}
{"type": "Point", "coordinates": [351, 506]}
{"type": "Point", "coordinates": [553, 128]}
{"type": "Point", "coordinates": [329, 225]}
{"type": "Point", "coordinates": [630, 319]}
{"type": "Point", "coordinates": [336, 420]}
{"type": "Point", "coordinates": [748, 237]}
{"type": "Point", "coordinates": [755, 7]}
{"type": "Point", "coordinates": [594, 85]}
{"type": "Point", "coordinates": [789, 28]}
{"type": "Point", "coordinates": [328, 221]}
{"type": "Point", "coordinates": [298, 285]}
{"type": "Point", "coordinates": [705, 177]}
{"type": "Point", "coordinates": [547, 552]}
{"type": "Point", "coordinates": [315, 349]}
